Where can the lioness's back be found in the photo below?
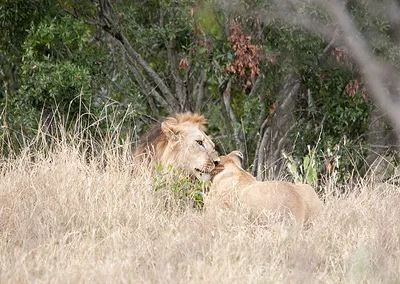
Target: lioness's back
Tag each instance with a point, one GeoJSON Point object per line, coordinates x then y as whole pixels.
{"type": "Point", "coordinates": [232, 183]}
{"type": "Point", "coordinates": [313, 203]}
{"type": "Point", "coordinates": [276, 196]}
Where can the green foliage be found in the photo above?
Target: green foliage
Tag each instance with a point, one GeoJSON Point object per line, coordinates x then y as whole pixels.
{"type": "Point", "coordinates": [52, 79]}
{"type": "Point", "coordinates": [185, 191]}
{"type": "Point", "coordinates": [306, 171]}
{"type": "Point", "coordinates": [142, 23]}
{"type": "Point", "coordinates": [58, 37]}
{"type": "Point", "coordinates": [63, 72]}
{"type": "Point", "coordinates": [251, 112]}
{"type": "Point", "coordinates": [16, 17]}
{"type": "Point", "coordinates": [339, 119]}
{"type": "Point", "coordinates": [208, 19]}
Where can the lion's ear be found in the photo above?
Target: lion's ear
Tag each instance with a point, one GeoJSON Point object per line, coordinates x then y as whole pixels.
{"type": "Point", "coordinates": [237, 158]}
{"type": "Point", "coordinates": [169, 129]}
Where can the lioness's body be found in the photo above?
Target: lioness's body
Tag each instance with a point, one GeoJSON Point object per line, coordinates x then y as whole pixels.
{"type": "Point", "coordinates": [180, 141]}
{"type": "Point", "coordinates": [234, 186]}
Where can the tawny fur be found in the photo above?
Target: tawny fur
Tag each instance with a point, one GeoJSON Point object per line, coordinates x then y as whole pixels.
{"type": "Point", "coordinates": [233, 186]}
{"type": "Point", "coordinates": [176, 142]}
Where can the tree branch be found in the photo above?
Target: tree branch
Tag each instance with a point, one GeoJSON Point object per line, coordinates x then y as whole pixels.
{"type": "Point", "coordinates": [262, 150]}
{"type": "Point", "coordinates": [256, 87]}
{"type": "Point", "coordinates": [374, 71]}
{"type": "Point", "coordinates": [239, 141]}
{"type": "Point", "coordinates": [367, 62]}
{"type": "Point", "coordinates": [106, 14]}
{"type": "Point", "coordinates": [273, 140]}
{"type": "Point", "coordinates": [172, 62]}
{"type": "Point", "coordinates": [263, 122]}
{"type": "Point", "coordinates": [145, 86]}
{"type": "Point", "coordinates": [201, 90]}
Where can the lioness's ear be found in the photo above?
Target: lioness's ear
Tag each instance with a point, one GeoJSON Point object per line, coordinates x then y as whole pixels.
{"type": "Point", "coordinates": [237, 158]}
{"type": "Point", "coordinates": [169, 129]}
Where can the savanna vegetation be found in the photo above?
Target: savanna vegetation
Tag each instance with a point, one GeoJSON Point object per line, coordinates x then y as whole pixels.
{"type": "Point", "coordinates": [306, 90]}
{"type": "Point", "coordinates": [278, 81]}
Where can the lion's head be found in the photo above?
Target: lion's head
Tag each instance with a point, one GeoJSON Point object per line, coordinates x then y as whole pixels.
{"type": "Point", "coordinates": [181, 141]}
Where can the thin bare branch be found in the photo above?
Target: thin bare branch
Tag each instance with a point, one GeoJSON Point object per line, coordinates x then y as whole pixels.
{"type": "Point", "coordinates": [201, 90]}
{"type": "Point", "coordinates": [106, 14]}
{"type": "Point", "coordinates": [367, 61]}
{"type": "Point", "coordinates": [256, 87]}
{"type": "Point", "coordinates": [262, 150]}
{"type": "Point", "coordinates": [375, 71]}
{"type": "Point", "coordinates": [237, 134]}
{"type": "Point", "coordinates": [173, 67]}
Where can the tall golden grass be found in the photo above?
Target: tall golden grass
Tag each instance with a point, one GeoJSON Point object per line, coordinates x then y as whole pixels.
{"type": "Point", "coordinates": [67, 217]}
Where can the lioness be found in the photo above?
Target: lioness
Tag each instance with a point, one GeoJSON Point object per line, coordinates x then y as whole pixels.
{"type": "Point", "coordinates": [180, 141]}
{"type": "Point", "coordinates": [232, 185]}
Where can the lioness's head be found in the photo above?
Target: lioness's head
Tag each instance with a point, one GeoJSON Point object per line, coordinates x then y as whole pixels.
{"type": "Point", "coordinates": [232, 160]}
{"type": "Point", "coordinates": [181, 141]}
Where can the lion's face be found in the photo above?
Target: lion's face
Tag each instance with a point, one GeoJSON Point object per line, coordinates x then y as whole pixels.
{"type": "Point", "coordinates": [189, 149]}
{"type": "Point", "coordinates": [197, 155]}
{"type": "Point", "coordinates": [180, 141]}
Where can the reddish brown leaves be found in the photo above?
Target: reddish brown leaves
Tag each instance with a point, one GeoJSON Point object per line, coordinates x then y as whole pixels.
{"type": "Point", "coordinates": [184, 63]}
{"type": "Point", "coordinates": [341, 54]}
{"type": "Point", "coordinates": [354, 87]}
{"type": "Point", "coordinates": [246, 59]}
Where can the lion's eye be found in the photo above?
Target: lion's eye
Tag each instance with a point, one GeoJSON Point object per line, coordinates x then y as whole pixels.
{"type": "Point", "coordinates": [200, 142]}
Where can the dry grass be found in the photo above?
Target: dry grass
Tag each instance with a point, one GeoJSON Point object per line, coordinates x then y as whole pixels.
{"type": "Point", "coordinates": [64, 220]}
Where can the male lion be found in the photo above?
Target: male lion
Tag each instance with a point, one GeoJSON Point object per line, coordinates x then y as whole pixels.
{"type": "Point", "coordinates": [180, 141]}
{"type": "Point", "coordinates": [232, 185]}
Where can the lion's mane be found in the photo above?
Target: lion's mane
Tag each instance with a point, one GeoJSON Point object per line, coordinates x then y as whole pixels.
{"type": "Point", "coordinates": [154, 143]}
{"type": "Point", "coordinates": [180, 141]}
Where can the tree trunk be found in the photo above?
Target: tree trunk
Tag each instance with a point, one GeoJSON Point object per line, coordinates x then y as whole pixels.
{"type": "Point", "coordinates": [381, 142]}
{"type": "Point", "coordinates": [232, 123]}
{"type": "Point", "coordinates": [268, 161]}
